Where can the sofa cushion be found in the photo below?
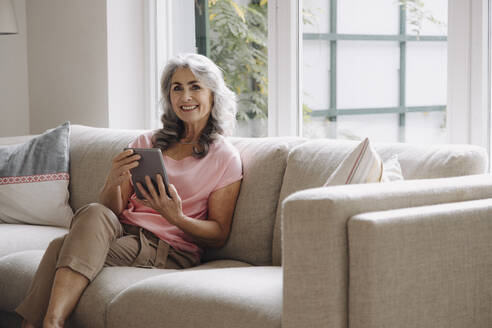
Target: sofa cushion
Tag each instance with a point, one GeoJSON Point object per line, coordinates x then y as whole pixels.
{"type": "Point", "coordinates": [16, 272]}
{"type": "Point", "coordinates": [435, 161]}
{"type": "Point", "coordinates": [92, 307]}
{"type": "Point", "coordinates": [232, 297]}
{"type": "Point", "coordinates": [34, 179]}
{"type": "Point", "coordinates": [310, 164]}
{"type": "Point", "coordinates": [91, 153]}
{"type": "Point", "coordinates": [250, 240]}
{"type": "Point", "coordinates": [21, 237]}
{"type": "Point", "coordinates": [18, 269]}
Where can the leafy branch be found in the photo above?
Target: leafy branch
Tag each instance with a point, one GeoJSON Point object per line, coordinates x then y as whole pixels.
{"type": "Point", "coordinates": [416, 15]}
{"type": "Point", "coordinates": [239, 45]}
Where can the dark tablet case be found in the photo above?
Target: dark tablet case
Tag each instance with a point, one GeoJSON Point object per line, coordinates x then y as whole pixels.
{"type": "Point", "coordinates": [150, 163]}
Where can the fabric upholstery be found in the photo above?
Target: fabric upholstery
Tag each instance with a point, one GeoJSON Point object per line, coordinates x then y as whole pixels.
{"type": "Point", "coordinates": [92, 307]}
{"type": "Point", "coordinates": [310, 164]}
{"type": "Point", "coordinates": [16, 272]}
{"type": "Point", "coordinates": [233, 297]}
{"type": "Point", "coordinates": [435, 161]}
{"type": "Point", "coordinates": [316, 273]}
{"type": "Point", "coordinates": [426, 266]}
{"type": "Point", "coordinates": [91, 153]}
{"type": "Point", "coordinates": [34, 178]}
{"type": "Point", "coordinates": [22, 237]}
{"type": "Point", "coordinates": [264, 162]}
{"type": "Point", "coordinates": [4, 141]}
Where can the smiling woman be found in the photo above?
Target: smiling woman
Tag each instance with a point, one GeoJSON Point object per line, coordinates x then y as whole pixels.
{"type": "Point", "coordinates": [190, 80]}
{"type": "Point", "coordinates": [160, 230]}
{"type": "Point", "coordinates": [192, 102]}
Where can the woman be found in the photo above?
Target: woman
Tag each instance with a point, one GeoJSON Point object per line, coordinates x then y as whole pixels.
{"type": "Point", "coordinates": [204, 171]}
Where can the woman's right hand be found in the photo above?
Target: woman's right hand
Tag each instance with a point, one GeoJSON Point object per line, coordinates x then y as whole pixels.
{"type": "Point", "coordinates": [120, 169]}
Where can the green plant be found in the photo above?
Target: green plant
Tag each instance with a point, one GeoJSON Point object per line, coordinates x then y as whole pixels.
{"type": "Point", "coordinates": [417, 14]}
{"type": "Point", "coordinates": [238, 44]}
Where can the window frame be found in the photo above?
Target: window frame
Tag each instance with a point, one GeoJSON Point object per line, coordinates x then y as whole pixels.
{"type": "Point", "coordinates": [468, 72]}
{"type": "Point", "coordinates": [468, 103]}
{"type": "Point", "coordinates": [468, 66]}
{"type": "Point", "coordinates": [402, 39]}
{"type": "Point", "coordinates": [284, 75]}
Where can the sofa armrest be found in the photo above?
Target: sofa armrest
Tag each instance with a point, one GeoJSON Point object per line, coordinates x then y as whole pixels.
{"type": "Point", "coordinates": [315, 245]}
{"type": "Point", "coordinates": [428, 266]}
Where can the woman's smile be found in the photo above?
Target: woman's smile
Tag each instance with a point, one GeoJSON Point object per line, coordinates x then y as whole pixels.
{"type": "Point", "coordinates": [188, 108]}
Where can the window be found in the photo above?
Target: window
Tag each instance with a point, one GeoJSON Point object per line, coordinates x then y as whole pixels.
{"type": "Point", "coordinates": [384, 80]}
{"type": "Point", "coordinates": [376, 69]}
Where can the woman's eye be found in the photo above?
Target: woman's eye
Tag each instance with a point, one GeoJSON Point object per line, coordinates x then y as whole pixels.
{"type": "Point", "coordinates": [195, 87]}
{"type": "Point", "coordinates": [177, 88]}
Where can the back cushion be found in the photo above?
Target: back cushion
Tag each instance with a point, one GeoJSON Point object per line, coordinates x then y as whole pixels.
{"type": "Point", "coordinates": [310, 164]}
{"type": "Point", "coordinates": [91, 153]}
{"type": "Point", "coordinates": [264, 162]}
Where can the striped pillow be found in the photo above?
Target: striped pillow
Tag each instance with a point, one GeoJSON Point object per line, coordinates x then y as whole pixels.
{"type": "Point", "coordinates": [34, 180]}
{"type": "Point", "coordinates": [363, 165]}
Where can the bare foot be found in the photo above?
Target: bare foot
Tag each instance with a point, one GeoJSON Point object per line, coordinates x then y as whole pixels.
{"type": "Point", "coordinates": [50, 322]}
{"type": "Point", "coordinates": [26, 324]}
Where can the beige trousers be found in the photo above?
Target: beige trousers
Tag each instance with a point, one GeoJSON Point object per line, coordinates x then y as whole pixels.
{"type": "Point", "coordinates": [97, 239]}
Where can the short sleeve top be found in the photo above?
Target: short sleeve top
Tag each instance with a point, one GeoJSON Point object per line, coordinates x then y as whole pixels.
{"type": "Point", "coordinates": [194, 179]}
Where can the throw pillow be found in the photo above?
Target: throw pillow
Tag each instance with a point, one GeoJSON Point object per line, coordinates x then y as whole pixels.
{"type": "Point", "coordinates": [34, 180]}
{"type": "Point", "coordinates": [364, 165]}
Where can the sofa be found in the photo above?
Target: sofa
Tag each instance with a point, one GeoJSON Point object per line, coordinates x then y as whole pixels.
{"type": "Point", "coordinates": [412, 253]}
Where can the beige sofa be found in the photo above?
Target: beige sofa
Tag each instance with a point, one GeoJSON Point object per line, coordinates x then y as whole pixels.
{"type": "Point", "coordinates": [402, 254]}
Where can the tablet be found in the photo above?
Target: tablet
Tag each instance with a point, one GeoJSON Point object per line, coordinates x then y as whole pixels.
{"type": "Point", "coordinates": [150, 163]}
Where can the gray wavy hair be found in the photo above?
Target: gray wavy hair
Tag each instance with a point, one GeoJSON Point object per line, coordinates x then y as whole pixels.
{"type": "Point", "coordinates": [223, 114]}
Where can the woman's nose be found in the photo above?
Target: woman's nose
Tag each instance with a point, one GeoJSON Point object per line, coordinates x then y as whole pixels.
{"type": "Point", "coordinates": [186, 96]}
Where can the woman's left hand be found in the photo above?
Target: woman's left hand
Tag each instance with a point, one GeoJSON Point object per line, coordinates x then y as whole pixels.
{"type": "Point", "coordinates": [169, 207]}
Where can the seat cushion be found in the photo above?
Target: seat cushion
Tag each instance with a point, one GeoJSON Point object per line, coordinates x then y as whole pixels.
{"type": "Point", "coordinates": [18, 269]}
{"type": "Point", "coordinates": [16, 272]}
{"type": "Point", "coordinates": [92, 307]}
{"type": "Point", "coordinates": [21, 237]}
{"type": "Point", "coordinates": [231, 297]}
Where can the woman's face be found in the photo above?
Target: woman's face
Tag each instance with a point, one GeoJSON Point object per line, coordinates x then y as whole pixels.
{"type": "Point", "coordinates": [190, 99]}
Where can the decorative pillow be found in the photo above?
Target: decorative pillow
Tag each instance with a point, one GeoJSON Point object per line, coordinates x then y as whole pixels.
{"type": "Point", "coordinates": [363, 165]}
{"type": "Point", "coordinates": [34, 180]}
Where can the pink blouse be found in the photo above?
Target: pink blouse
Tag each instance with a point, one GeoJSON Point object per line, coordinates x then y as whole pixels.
{"type": "Point", "coordinates": [194, 179]}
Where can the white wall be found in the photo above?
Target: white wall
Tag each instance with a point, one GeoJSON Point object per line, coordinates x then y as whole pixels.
{"type": "Point", "coordinates": [126, 64]}
{"type": "Point", "coordinates": [14, 94]}
{"type": "Point", "coordinates": [80, 60]}
{"type": "Point", "coordinates": [67, 58]}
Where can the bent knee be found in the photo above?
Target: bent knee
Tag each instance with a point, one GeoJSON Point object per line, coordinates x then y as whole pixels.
{"type": "Point", "coordinates": [95, 210]}
{"type": "Point", "coordinates": [56, 244]}
{"type": "Point", "coordinates": [94, 214]}
{"type": "Point", "coordinates": [97, 207]}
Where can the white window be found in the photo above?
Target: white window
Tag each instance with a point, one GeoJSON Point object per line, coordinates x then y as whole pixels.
{"type": "Point", "coordinates": [383, 81]}
{"type": "Point", "coordinates": [374, 69]}
{"type": "Point", "coordinates": [459, 77]}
